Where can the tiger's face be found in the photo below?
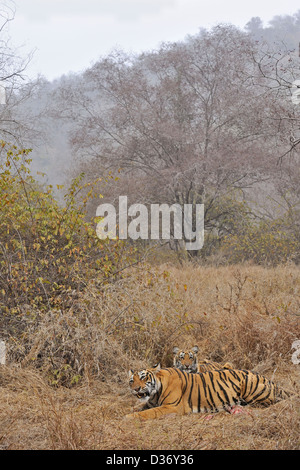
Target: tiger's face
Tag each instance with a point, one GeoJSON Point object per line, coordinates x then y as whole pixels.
{"type": "Point", "coordinates": [186, 360]}
{"type": "Point", "coordinates": [143, 384]}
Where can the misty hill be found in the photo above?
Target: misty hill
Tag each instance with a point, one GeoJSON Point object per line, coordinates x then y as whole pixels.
{"type": "Point", "coordinates": [52, 151]}
{"type": "Point", "coordinates": [281, 30]}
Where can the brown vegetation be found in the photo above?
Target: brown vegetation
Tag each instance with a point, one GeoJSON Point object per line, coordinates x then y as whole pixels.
{"type": "Point", "coordinates": [205, 121]}
{"type": "Point", "coordinates": [248, 315]}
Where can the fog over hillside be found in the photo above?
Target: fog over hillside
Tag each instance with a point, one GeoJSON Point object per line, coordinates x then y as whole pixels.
{"type": "Point", "coordinates": [281, 30]}
{"type": "Point", "coordinates": [52, 151]}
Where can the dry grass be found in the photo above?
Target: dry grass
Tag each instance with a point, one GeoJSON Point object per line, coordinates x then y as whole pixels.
{"type": "Point", "coordinates": [247, 315]}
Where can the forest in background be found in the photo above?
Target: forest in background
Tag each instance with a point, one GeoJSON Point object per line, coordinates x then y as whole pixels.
{"type": "Point", "coordinates": [208, 120]}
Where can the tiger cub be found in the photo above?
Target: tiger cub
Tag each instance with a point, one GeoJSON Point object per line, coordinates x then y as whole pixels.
{"type": "Point", "coordinates": [188, 361]}
{"type": "Point", "coordinates": [175, 391]}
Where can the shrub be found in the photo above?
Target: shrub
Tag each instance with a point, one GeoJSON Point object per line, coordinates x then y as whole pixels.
{"type": "Point", "coordinates": [48, 251]}
{"type": "Point", "coordinates": [263, 243]}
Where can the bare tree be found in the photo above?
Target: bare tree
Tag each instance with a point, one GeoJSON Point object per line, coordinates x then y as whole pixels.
{"type": "Point", "coordinates": [191, 122]}
{"type": "Point", "coordinates": [13, 81]}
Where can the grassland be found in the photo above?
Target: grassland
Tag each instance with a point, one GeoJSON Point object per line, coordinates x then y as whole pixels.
{"type": "Point", "coordinates": [65, 384]}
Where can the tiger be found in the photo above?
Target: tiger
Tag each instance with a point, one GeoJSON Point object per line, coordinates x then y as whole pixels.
{"type": "Point", "coordinates": [171, 390]}
{"type": "Point", "coordinates": [188, 361]}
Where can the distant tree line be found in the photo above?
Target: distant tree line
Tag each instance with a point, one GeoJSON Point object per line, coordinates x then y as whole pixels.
{"type": "Point", "coordinates": [207, 120]}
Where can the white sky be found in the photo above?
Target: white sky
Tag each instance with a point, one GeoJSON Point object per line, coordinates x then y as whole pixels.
{"type": "Point", "coordinates": [70, 35]}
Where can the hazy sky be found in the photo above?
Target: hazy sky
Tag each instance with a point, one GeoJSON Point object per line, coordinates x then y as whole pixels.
{"type": "Point", "coordinates": [70, 35]}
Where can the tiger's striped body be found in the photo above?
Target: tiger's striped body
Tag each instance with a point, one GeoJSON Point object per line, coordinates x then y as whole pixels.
{"type": "Point", "coordinates": [174, 391]}
{"type": "Point", "coordinates": [187, 361]}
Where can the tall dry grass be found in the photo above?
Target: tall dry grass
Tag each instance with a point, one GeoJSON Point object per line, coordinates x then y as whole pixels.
{"type": "Point", "coordinates": [66, 384]}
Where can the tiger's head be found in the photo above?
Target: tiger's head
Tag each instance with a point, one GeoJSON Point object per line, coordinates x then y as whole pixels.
{"type": "Point", "coordinates": [144, 384]}
{"type": "Point", "coordinates": [186, 360]}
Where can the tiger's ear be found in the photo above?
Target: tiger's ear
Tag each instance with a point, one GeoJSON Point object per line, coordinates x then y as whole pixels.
{"type": "Point", "coordinates": [175, 350]}
{"type": "Point", "coordinates": [130, 373]}
{"type": "Point", "coordinates": [195, 349]}
{"type": "Point", "coordinates": [156, 368]}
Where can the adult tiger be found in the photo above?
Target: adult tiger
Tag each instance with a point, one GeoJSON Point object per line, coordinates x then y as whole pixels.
{"type": "Point", "coordinates": [174, 391]}
{"type": "Point", "coordinates": [187, 361]}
